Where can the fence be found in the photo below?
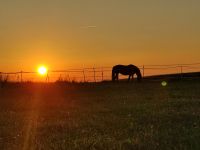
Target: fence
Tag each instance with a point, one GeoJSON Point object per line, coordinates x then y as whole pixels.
{"type": "Point", "coordinates": [95, 74]}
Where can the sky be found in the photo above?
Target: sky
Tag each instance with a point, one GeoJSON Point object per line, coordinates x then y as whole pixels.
{"type": "Point", "coordinates": [85, 33]}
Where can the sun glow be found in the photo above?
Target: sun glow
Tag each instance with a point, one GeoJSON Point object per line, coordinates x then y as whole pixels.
{"type": "Point", "coordinates": [42, 70]}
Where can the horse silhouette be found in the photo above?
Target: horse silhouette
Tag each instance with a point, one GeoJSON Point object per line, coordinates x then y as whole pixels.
{"type": "Point", "coordinates": [126, 70]}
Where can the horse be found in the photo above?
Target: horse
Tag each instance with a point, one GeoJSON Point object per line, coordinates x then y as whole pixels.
{"type": "Point", "coordinates": [126, 70]}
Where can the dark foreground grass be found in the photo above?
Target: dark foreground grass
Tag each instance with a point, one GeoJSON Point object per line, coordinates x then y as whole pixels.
{"type": "Point", "coordinates": [100, 116]}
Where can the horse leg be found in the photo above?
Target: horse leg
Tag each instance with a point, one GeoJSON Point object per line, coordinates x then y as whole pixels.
{"type": "Point", "coordinates": [132, 76]}
{"type": "Point", "coordinates": [129, 77]}
{"type": "Point", "coordinates": [117, 76]}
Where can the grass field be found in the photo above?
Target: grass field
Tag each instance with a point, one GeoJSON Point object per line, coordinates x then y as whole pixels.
{"type": "Point", "coordinates": [100, 116]}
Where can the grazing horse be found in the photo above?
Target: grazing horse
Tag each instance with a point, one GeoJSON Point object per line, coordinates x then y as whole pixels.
{"type": "Point", "coordinates": [126, 70]}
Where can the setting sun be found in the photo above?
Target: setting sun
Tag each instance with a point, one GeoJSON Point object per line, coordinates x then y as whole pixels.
{"type": "Point", "coordinates": [42, 70]}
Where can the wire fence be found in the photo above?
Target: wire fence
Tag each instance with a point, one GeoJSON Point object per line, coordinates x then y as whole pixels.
{"type": "Point", "coordinates": [95, 74]}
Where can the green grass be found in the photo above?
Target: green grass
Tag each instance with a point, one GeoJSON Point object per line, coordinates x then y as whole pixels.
{"type": "Point", "coordinates": [100, 116]}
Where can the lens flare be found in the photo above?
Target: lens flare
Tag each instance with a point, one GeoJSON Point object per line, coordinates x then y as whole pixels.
{"type": "Point", "coordinates": [42, 70]}
{"type": "Point", "coordinates": [164, 83]}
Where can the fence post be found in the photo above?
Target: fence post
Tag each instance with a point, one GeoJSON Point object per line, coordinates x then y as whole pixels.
{"type": "Point", "coordinates": [47, 77]}
{"type": "Point", "coordinates": [143, 70]}
{"type": "Point", "coordinates": [94, 75]}
{"type": "Point", "coordinates": [21, 76]}
{"type": "Point", "coordinates": [181, 71]}
{"type": "Point", "coordinates": [1, 77]}
{"type": "Point", "coordinates": [68, 78]}
{"type": "Point", "coordinates": [102, 73]}
{"type": "Point", "coordinates": [84, 75]}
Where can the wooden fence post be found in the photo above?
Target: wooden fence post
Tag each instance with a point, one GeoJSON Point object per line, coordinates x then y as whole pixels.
{"type": "Point", "coordinates": [84, 75]}
{"type": "Point", "coordinates": [143, 70]}
{"type": "Point", "coordinates": [68, 78]}
{"type": "Point", "coordinates": [102, 73]}
{"type": "Point", "coordinates": [47, 77]}
{"type": "Point", "coordinates": [1, 78]}
{"type": "Point", "coordinates": [181, 71]}
{"type": "Point", "coordinates": [94, 75]}
{"type": "Point", "coordinates": [21, 76]}
{"type": "Point", "coordinates": [17, 77]}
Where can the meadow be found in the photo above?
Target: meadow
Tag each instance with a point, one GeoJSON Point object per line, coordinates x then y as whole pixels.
{"type": "Point", "coordinates": [121, 116]}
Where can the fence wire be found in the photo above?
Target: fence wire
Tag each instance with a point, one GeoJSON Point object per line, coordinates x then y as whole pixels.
{"type": "Point", "coordinates": [95, 74]}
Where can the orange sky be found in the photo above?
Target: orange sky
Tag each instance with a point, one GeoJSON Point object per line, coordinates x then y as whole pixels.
{"type": "Point", "coordinates": [75, 33]}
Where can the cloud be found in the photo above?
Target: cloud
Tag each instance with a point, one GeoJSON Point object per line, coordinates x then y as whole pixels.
{"type": "Point", "coordinates": [90, 26]}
